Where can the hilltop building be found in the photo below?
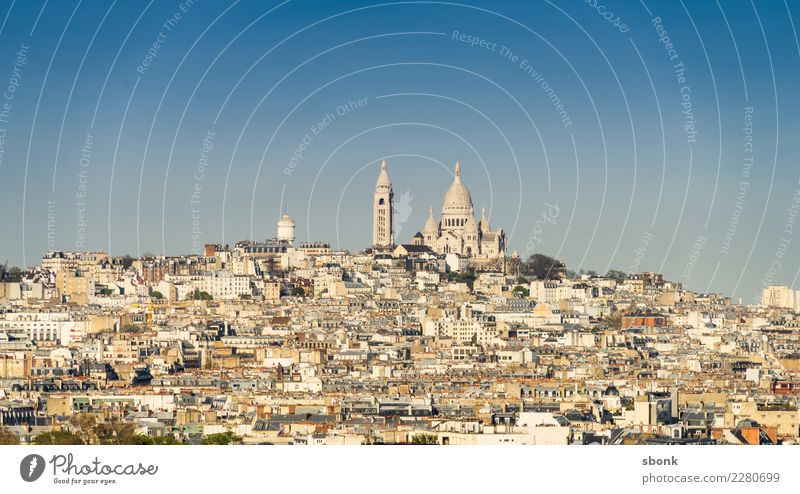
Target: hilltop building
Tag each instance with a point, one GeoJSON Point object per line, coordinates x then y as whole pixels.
{"type": "Point", "coordinates": [457, 232]}
{"type": "Point", "coordinates": [383, 210]}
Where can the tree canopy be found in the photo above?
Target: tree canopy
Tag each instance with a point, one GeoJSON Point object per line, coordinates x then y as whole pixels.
{"type": "Point", "coordinates": [58, 438]}
{"type": "Point", "coordinates": [618, 276]}
{"type": "Point", "coordinates": [427, 439]}
{"type": "Point", "coordinates": [7, 437]}
{"type": "Point", "coordinates": [222, 438]}
{"type": "Point", "coordinates": [543, 267]}
{"type": "Point", "coordinates": [198, 295]}
{"type": "Point", "coordinates": [524, 291]}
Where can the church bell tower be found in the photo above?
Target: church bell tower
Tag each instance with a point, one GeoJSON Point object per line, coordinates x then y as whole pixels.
{"type": "Point", "coordinates": [383, 210]}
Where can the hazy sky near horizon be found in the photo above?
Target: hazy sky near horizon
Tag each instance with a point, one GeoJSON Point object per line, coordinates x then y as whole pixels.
{"type": "Point", "coordinates": [652, 135]}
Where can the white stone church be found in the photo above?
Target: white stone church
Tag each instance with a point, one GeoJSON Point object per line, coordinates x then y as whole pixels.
{"type": "Point", "coordinates": [456, 233]}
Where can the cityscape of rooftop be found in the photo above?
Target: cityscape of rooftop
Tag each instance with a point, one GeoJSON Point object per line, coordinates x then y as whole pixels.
{"type": "Point", "coordinates": [312, 223]}
{"type": "Point", "coordinates": [659, 131]}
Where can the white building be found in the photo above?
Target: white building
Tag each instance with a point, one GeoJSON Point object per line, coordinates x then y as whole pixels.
{"type": "Point", "coordinates": [286, 229]}
{"type": "Point", "coordinates": [47, 326]}
{"type": "Point", "coordinates": [780, 296]}
{"type": "Point", "coordinates": [383, 210]}
{"type": "Point", "coordinates": [458, 232]}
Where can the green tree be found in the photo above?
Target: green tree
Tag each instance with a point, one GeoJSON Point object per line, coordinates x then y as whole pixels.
{"type": "Point", "coordinates": [543, 267]}
{"type": "Point", "coordinates": [85, 426]}
{"type": "Point", "coordinates": [298, 291]}
{"type": "Point", "coordinates": [618, 276]}
{"type": "Point", "coordinates": [222, 438]}
{"type": "Point", "coordinates": [132, 328]}
{"type": "Point", "coordinates": [157, 440]}
{"type": "Point", "coordinates": [467, 276]}
{"type": "Point", "coordinates": [198, 295]}
{"type": "Point", "coordinates": [58, 438]}
{"type": "Point", "coordinates": [522, 290]}
{"type": "Point", "coordinates": [106, 292]}
{"type": "Point", "coordinates": [427, 439]}
{"type": "Point", "coordinates": [157, 295]}
{"type": "Point", "coordinates": [12, 274]}
{"type": "Point", "coordinates": [127, 261]}
{"type": "Point", "coordinates": [116, 432]}
{"type": "Point", "coordinates": [7, 436]}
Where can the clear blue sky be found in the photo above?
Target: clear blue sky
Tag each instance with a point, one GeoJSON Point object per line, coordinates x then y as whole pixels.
{"type": "Point", "coordinates": [424, 84]}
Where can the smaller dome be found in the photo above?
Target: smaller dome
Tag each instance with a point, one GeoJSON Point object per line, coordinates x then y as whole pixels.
{"type": "Point", "coordinates": [611, 391]}
{"type": "Point", "coordinates": [286, 228]}
{"type": "Point", "coordinates": [431, 227]}
{"type": "Point", "coordinates": [286, 220]}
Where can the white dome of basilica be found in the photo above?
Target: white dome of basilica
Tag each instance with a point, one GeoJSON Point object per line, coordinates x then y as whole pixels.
{"type": "Point", "coordinates": [457, 198]}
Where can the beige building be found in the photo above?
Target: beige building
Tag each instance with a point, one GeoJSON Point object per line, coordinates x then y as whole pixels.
{"type": "Point", "coordinates": [74, 284]}
{"type": "Point", "coordinates": [779, 296]}
{"type": "Point", "coordinates": [784, 418]}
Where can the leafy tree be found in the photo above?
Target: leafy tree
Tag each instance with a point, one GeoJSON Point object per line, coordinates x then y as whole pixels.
{"type": "Point", "coordinates": [428, 439]}
{"type": "Point", "coordinates": [614, 320]}
{"type": "Point", "coordinates": [87, 430]}
{"type": "Point", "coordinates": [157, 295]}
{"type": "Point", "coordinates": [127, 261]}
{"type": "Point", "coordinates": [298, 291]}
{"type": "Point", "coordinates": [467, 276]}
{"type": "Point", "coordinates": [222, 438]}
{"type": "Point", "coordinates": [12, 274]}
{"type": "Point", "coordinates": [58, 438]}
{"type": "Point", "coordinates": [157, 440]}
{"type": "Point", "coordinates": [543, 267]}
{"type": "Point", "coordinates": [85, 427]}
{"type": "Point", "coordinates": [245, 296]}
{"type": "Point", "coordinates": [618, 276]}
{"type": "Point", "coordinates": [198, 295]}
{"type": "Point", "coordinates": [116, 432]}
{"type": "Point", "coordinates": [106, 292]}
{"type": "Point", "coordinates": [7, 436]}
{"type": "Point", "coordinates": [132, 328]}
{"type": "Point", "coordinates": [522, 290]}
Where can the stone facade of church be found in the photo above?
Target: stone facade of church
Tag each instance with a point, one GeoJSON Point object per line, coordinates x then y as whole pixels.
{"type": "Point", "coordinates": [456, 232]}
